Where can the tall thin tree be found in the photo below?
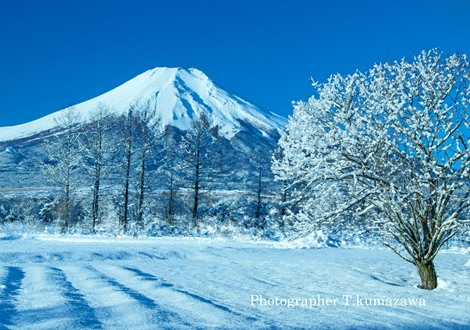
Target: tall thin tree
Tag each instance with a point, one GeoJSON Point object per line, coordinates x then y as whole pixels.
{"type": "Point", "coordinates": [97, 149]}
{"type": "Point", "coordinates": [148, 127]}
{"type": "Point", "coordinates": [63, 158]}
{"type": "Point", "coordinates": [130, 123]}
{"type": "Point", "coordinates": [200, 148]}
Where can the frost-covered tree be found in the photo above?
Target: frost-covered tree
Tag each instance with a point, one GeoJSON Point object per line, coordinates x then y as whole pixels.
{"type": "Point", "coordinates": [391, 144]}
{"type": "Point", "coordinates": [98, 149]}
{"type": "Point", "coordinates": [170, 173]}
{"type": "Point", "coordinates": [260, 161]}
{"type": "Point", "coordinates": [200, 153]}
{"type": "Point", "coordinates": [138, 139]}
{"type": "Point", "coordinates": [63, 158]}
{"type": "Point", "coordinates": [147, 128]}
{"type": "Point", "coordinates": [128, 142]}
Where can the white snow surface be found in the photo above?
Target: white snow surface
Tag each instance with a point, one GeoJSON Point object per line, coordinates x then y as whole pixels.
{"type": "Point", "coordinates": [176, 95]}
{"type": "Point", "coordinates": [53, 282]}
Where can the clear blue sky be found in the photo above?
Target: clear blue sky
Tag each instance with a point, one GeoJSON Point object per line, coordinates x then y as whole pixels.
{"type": "Point", "coordinates": [55, 53]}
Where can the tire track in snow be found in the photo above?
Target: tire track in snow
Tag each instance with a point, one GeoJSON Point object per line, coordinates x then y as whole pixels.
{"type": "Point", "coordinates": [160, 314]}
{"type": "Point", "coordinates": [254, 317]}
{"type": "Point", "coordinates": [8, 294]}
{"type": "Point", "coordinates": [164, 284]}
{"type": "Point", "coordinates": [120, 307]}
{"type": "Point", "coordinates": [79, 308]}
{"type": "Point", "coordinates": [140, 298]}
{"type": "Point", "coordinates": [199, 315]}
{"type": "Point", "coordinates": [151, 256]}
{"type": "Point", "coordinates": [40, 301]}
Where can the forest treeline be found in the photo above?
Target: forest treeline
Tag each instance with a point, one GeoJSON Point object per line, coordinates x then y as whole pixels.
{"type": "Point", "coordinates": [129, 175]}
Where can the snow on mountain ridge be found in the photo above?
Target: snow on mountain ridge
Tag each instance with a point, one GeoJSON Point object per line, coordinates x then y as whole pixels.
{"type": "Point", "coordinates": [176, 95]}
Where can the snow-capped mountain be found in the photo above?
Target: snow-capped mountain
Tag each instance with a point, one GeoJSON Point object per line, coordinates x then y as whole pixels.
{"type": "Point", "coordinates": [176, 95]}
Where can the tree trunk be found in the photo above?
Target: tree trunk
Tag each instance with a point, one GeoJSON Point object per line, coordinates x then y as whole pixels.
{"type": "Point", "coordinates": [125, 219]}
{"type": "Point", "coordinates": [258, 193]}
{"type": "Point", "coordinates": [65, 225]}
{"type": "Point", "coordinates": [171, 202]}
{"type": "Point", "coordinates": [140, 213]}
{"type": "Point", "coordinates": [96, 188]}
{"type": "Point", "coordinates": [428, 275]}
{"type": "Point", "coordinates": [96, 196]}
{"type": "Point", "coordinates": [126, 188]}
{"type": "Point", "coordinates": [67, 181]}
{"type": "Point", "coordinates": [196, 200]}
{"type": "Point", "coordinates": [196, 188]}
{"type": "Point", "coordinates": [67, 194]}
{"type": "Point", "coordinates": [283, 210]}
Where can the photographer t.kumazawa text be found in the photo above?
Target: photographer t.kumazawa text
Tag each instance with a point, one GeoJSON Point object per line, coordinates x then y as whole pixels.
{"type": "Point", "coordinates": [344, 300]}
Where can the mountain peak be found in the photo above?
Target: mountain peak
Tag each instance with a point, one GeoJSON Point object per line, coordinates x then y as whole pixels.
{"type": "Point", "coordinates": [171, 73]}
{"type": "Point", "coordinates": [176, 95]}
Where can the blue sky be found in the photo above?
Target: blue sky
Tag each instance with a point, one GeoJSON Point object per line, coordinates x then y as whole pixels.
{"type": "Point", "coordinates": [57, 53]}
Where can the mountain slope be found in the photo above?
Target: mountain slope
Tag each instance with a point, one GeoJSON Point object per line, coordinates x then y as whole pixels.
{"type": "Point", "coordinates": [176, 95]}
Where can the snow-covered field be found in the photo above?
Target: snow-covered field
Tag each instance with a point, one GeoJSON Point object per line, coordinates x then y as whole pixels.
{"type": "Point", "coordinates": [81, 283]}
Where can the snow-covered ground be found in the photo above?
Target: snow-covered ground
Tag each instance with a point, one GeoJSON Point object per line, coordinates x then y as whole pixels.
{"type": "Point", "coordinates": [104, 283]}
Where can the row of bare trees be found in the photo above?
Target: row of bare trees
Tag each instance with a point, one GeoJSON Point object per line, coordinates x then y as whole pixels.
{"type": "Point", "coordinates": [133, 157]}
